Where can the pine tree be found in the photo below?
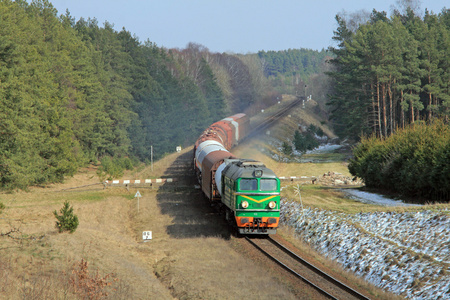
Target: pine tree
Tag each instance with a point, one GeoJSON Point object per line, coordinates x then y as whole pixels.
{"type": "Point", "coordinates": [67, 220]}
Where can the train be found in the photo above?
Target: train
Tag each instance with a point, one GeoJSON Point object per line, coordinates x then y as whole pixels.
{"type": "Point", "coordinates": [244, 189]}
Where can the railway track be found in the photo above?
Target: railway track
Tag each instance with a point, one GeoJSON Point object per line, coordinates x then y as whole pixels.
{"type": "Point", "coordinates": [270, 120]}
{"type": "Point", "coordinates": [324, 284]}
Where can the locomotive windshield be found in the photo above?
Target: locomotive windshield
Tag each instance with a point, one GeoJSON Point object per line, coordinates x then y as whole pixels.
{"type": "Point", "coordinates": [268, 184]}
{"type": "Point", "coordinates": [248, 184]}
{"type": "Point", "coordinates": [265, 184]}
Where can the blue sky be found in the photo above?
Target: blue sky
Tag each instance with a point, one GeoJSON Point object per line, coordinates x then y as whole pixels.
{"type": "Point", "coordinates": [239, 26]}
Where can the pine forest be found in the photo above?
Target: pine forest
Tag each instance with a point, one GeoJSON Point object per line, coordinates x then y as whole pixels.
{"type": "Point", "coordinates": [390, 72]}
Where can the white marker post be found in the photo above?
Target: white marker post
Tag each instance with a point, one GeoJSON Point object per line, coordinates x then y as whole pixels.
{"type": "Point", "coordinates": [138, 195]}
{"type": "Point", "coordinates": [146, 235]}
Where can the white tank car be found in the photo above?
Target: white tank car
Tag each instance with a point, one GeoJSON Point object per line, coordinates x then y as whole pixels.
{"type": "Point", "coordinates": [204, 149]}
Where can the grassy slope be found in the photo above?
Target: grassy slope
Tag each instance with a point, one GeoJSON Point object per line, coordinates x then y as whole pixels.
{"type": "Point", "coordinates": [259, 148]}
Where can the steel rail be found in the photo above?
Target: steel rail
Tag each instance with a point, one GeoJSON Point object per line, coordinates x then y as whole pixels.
{"type": "Point", "coordinates": [318, 271]}
{"type": "Point", "coordinates": [271, 119]}
{"type": "Point", "coordinates": [323, 292]}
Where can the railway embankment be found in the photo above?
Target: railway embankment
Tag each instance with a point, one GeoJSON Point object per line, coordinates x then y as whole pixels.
{"type": "Point", "coordinates": [405, 253]}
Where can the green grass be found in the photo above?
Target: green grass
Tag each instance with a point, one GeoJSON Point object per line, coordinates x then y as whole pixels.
{"type": "Point", "coordinates": [86, 196]}
{"type": "Point", "coordinates": [330, 198]}
{"type": "Point", "coordinates": [326, 198]}
{"type": "Point", "coordinates": [323, 157]}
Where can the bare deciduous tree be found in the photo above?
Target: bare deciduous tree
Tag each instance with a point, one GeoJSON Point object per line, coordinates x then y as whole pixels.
{"type": "Point", "coordinates": [402, 6]}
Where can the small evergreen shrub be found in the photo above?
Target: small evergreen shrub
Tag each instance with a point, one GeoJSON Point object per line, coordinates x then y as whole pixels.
{"type": "Point", "coordinates": [316, 130]}
{"type": "Point", "coordinates": [67, 221]}
{"type": "Point", "coordinates": [305, 141]}
{"type": "Point", "coordinates": [286, 148]}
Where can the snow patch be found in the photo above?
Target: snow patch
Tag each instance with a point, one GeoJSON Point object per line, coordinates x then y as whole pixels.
{"type": "Point", "coordinates": [405, 253]}
{"type": "Point", "coordinates": [372, 198]}
{"type": "Point", "coordinates": [327, 148]}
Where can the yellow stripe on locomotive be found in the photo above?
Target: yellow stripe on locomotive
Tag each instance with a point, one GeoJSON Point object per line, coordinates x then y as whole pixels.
{"type": "Point", "coordinates": [252, 192]}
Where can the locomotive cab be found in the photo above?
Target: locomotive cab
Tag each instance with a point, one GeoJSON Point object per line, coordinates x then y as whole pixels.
{"type": "Point", "coordinates": [252, 192]}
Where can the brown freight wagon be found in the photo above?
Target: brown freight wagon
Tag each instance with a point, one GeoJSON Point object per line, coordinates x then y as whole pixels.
{"type": "Point", "coordinates": [210, 164]}
{"type": "Point", "coordinates": [244, 125]}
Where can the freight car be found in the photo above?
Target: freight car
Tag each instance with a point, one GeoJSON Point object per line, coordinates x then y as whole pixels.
{"type": "Point", "coordinates": [247, 191]}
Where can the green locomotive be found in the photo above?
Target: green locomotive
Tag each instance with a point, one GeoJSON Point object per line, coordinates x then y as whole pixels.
{"type": "Point", "coordinates": [246, 190]}
{"type": "Point", "coordinates": [251, 194]}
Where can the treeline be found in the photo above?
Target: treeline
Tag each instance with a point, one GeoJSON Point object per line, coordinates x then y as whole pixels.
{"type": "Point", "coordinates": [73, 92]}
{"type": "Point", "coordinates": [292, 70]}
{"type": "Point", "coordinates": [414, 161]}
{"type": "Point", "coordinates": [304, 62]}
{"type": "Point", "coordinates": [390, 72]}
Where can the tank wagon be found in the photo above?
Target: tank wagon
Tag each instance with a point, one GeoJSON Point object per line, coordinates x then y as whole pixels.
{"type": "Point", "coordinates": [247, 191]}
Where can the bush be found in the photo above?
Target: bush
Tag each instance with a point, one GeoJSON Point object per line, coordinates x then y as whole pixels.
{"type": "Point", "coordinates": [286, 148]}
{"type": "Point", "coordinates": [316, 130]}
{"type": "Point", "coordinates": [304, 142]}
{"type": "Point", "coordinates": [89, 286]}
{"type": "Point", "coordinates": [2, 207]}
{"type": "Point", "coordinates": [113, 167]}
{"type": "Point", "coordinates": [412, 162]}
{"type": "Point", "coordinates": [67, 221]}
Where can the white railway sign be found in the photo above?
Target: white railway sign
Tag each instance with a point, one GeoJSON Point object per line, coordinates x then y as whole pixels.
{"type": "Point", "coordinates": [146, 235]}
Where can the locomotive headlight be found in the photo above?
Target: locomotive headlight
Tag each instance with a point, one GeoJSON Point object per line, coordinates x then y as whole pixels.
{"type": "Point", "coordinates": [244, 204]}
{"type": "Point", "coordinates": [258, 173]}
{"type": "Point", "coordinates": [272, 204]}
